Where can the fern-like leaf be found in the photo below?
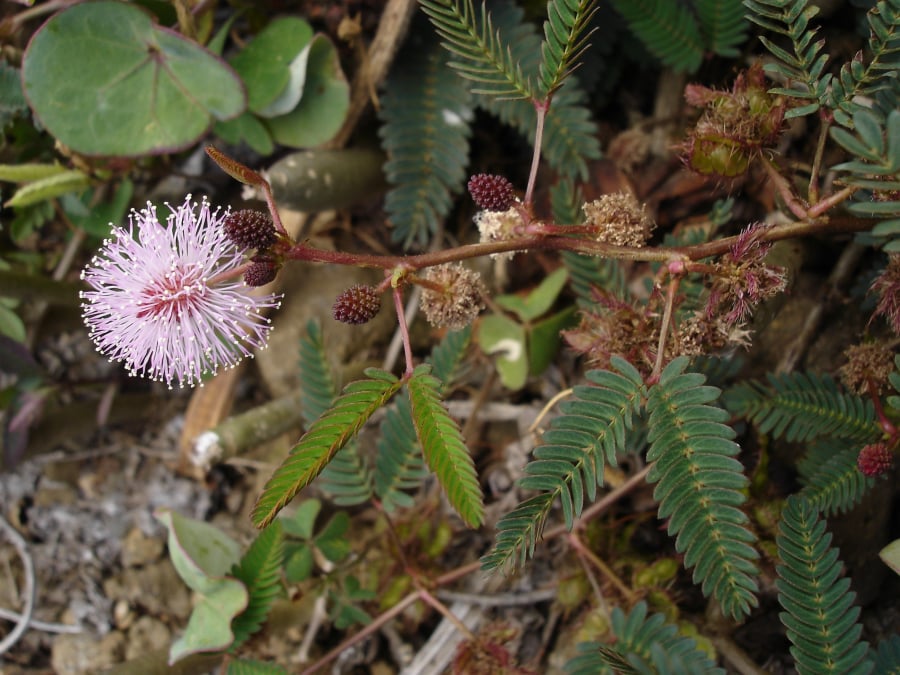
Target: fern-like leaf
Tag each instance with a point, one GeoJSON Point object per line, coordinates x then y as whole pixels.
{"type": "Point", "coordinates": [643, 645]}
{"type": "Point", "coordinates": [485, 59]}
{"type": "Point", "coordinates": [425, 112]}
{"type": "Point", "coordinates": [820, 618]}
{"type": "Point", "coordinates": [322, 440]}
{"type": "Point", "coordinates": [802, 407]}
{"type": "Point", "coordinates": [317, 387]}
{"type": "Point", "coordinates": [667, 29]}
{"type": "Point", "coordinates": [347, 479]}
{"type": "Point", "coordinates": [569, 462]}
{"type": "Point", "coordinates": [699, 486]}
{"type": "Point", "coordinates": [260, 570]}
{"type": "Point", "coordinates": [723, 25]}
{"type": "Point", "coordinates": [832, 482]}
{"type": "Point", "coordinates": [880, 74]}
{"type": "Point", "coordinates": [253, 667]}
{"type": "Point", "coordinates": [399, 465]}
{"type": "Point", "coordinates": [443, 447]}
{"type": "Point", "coordinates": [570, 135]}
{"type": "Point", "coordinates": [564, 40]}
{"type": "Point", "coordinates": [886, 658]}
{"type": "Point", "coordinates": [802, 70]}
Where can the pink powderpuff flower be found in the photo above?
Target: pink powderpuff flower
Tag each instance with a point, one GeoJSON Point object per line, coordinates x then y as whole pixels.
{"type": "Point", "coordinates": [168, 299]}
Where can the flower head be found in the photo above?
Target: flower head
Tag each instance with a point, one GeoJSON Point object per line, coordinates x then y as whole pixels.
{"type": "Point", "coordinates": [460, 301]}
{"type": "Point", "coordinates": [168, 300]}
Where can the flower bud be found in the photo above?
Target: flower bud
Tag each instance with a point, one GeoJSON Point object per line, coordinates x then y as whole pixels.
{"type": "Point", "coordinates": [261, 272]}
{"type": "Point", "coordinates": [491, 192]}
{"type": "Point", "coordinates": [357, 305]}
{"type": "Point", "coordinates": [874, 459]}
{"type": "Point", "coordinates": [249, 228]}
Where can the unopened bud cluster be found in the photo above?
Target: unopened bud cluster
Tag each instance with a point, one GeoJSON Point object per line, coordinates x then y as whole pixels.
{"type": "Point", "coordinates": [262, 271]}
{"type": "Point", "coordinates": [875, 459]}
{"type": "Point", "coordinates": [459, 301]}
{"type": "Point", "coordinates": [357, 305]}
{"type": "Point", "coordinates": [619, 219]}
{"type": "Point", "coordinates": [491, 192]}
{"type": "Point", "coordinates": [249, 228]}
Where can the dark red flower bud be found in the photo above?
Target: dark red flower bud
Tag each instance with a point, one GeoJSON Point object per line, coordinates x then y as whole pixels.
{"type": "Point", "coordinates": [874, 459]}
{"type": "Point", "coordinates": [261, 272]}
{"type": "Point", "coordinates": [357, 305]}
{"type": "Point", "coordinates": [491, 192]}
{"type": "Point", "coordinates": [249, 228]}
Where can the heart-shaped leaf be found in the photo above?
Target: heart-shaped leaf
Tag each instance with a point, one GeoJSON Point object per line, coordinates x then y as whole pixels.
{"type": "Point", "coordinates": [265, 63]}
{"type": "Point", "coordinates": [326, 99]}
{"type": "Point", "coordinates": [203, 555]}
{"type": "Point", "coordinates": [104, 79]}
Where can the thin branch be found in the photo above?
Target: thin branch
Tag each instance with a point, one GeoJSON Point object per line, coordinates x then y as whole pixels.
{"type": "Point", "coordinates": [28, 566]}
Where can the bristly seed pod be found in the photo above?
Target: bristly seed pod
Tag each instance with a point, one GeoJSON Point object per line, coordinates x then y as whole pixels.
{"type": "Point", "coordinates": [491, 192]}
{"type": "Point", "coordinates": [357, 305]}
{"type": "Point", "coordinates": [249, 228]}
{"type": "Point", "coordinates": [874, 459]}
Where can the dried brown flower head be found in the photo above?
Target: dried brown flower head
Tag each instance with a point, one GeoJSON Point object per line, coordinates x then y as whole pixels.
{"type": "Point", "coordinates": [867, 364]}
{"type": "Point", "coordinates": [887, 287]}
{"type": "Point", "coordinates": [458, 302]}
{"type": "Point", "coordinates": [619, 219]}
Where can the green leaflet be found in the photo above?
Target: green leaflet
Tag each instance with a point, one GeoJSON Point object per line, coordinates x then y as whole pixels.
{"type": "Point", "coordinates": [699, 486]}
{"type": "Point", "coordinates": [425, 112]}
{"type": "Point", "coordinates": [570, 135]}
{"type": "Point", "coordinates": [484, 58]}
{"type": "Point", "coordinates": [564, 40]}
{"type": "Point", "coordinates": [667, 29]}
{"type": "Point", "coordinates": [443, 447]}
{"type": "Point", "coordinates": [832, 482]}
{"type": "Point", "coordinates": [260, 570]}
{"type": "Point", "coordinates": [801, 407]}
{"type": "Point", "coordinates": [399, 465]}
{"type": "Point", "coordinates": [569, 462]}
{"type": "Point", "coordinates": [322, 440]}
{"type": "Point", "coordinates": [643, 645]}
{"type": "Point", "coordinates": [347, 479]}
{"type": "Point", "coordinates": [820, 617]}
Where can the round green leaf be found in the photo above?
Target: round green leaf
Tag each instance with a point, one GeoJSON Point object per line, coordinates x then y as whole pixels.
{"type": "Point", "coordinates": [326, 99]}
{"type": "Point", "coordinates": [264, 64]}
{"type": "Point", "coordinates": [105, 80]}
{"type": "Point", "coordinates": [505, 339]}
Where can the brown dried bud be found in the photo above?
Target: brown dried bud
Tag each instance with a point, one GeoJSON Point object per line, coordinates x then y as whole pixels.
{"type": "Point", "coordinates": [874, 459]}
{"type": "Point", "coordinates": [461, 300]}
{"type": "Point", "coordinates": [491, 192]}
{"type": "Point", "coordinates": [619, 219]}
{"type": "Point", "coordinates": [356, 305]}
{"type": "Point", "coordinates": [249, 228]}
{"type": "Point", "coordinates": [869, 364]}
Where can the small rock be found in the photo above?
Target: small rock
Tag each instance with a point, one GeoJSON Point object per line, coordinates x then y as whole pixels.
{"type": "Point", "coordinates": [139, 549]}
{"type": "Point", "coordinates": [146, 635]}
{"type": "Point", "coordinates": [123, 615]}
{"type": "Point", "coordinates": [86, 654]}
{"type": "Point", "coordinates": [156, 587]}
